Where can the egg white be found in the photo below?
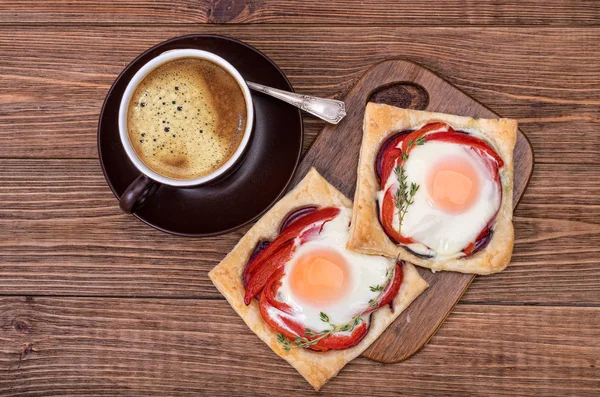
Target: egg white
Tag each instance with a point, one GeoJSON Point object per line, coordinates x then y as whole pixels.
{"type": "Point", "coordinates": [445, 234]}
{"type": "Point", "coordinates": [365, 271]}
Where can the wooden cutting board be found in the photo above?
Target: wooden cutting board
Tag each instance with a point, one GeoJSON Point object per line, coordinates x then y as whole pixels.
{"type": "Point", "coordinates": [335, 155]}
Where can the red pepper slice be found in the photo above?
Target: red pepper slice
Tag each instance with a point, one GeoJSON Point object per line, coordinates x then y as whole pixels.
{"type": "Point", "coordinates": [392, 289]}
{"type": "Point", "coordinates": [467, 140]}
{"type": "Point", "coordinates": [274, 264]}
{"type": "Point", "coordinates": [340, 341]}
{"type": "Point", "coordinates": [387, 214]}
{"type": "Point", "coordinates": [265, 311]}
{"type": "Point", "coordinates": [270, 291]}
{"type": "Point", "coordinates": [291, 232]}
{"type": "Point", "coordinates": [292, 329]}
{"type": "Point", "coordinates": [311, 232]}
{"type": "Point", "coordinates": [388, 163]}
{"type": "Point", "coordinates": [268, 266]}
{"type": "Point", "coordinates": [425, 130]}
{"type": "Point", "coordinates": [392, 152]}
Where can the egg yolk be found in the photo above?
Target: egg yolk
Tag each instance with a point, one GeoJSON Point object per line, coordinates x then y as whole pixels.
{"type": "Point", "coordinates": [453, 185]}
{"type": "Point", "coordinates": [320, 277]}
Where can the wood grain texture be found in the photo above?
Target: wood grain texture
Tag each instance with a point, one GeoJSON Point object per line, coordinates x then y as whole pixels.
{"type": "Point", "coordinates": [61, 232]}
{"type": "Point", "coordinates": [388, 12]}
{"type": "Point", "coordinates": [548, 78]}
{"type": "Point", "coordinates": [101, 346]}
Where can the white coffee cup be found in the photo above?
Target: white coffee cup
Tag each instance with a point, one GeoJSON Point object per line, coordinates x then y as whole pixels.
{"type": "Point", "coordinates": [141, 188]}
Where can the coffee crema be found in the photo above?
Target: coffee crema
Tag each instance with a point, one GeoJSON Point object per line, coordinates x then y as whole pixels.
{"type": "Point", "coordinates": [186, 118]}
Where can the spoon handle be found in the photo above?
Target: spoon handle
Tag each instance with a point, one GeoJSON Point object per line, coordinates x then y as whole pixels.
{"type": "Point", "coordinates": [330, 110]}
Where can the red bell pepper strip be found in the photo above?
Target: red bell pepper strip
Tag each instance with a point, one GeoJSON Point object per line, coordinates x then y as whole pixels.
{"type": "Point", "coordinates": [259, 270]}
{"type": "Point", "coordinates": [399, 145]}
{"type": "Point", "coordinates": [291, 232]}
{"type": "Point", "coordinates": [266, 310]}
{"type": "Point", "coordinates": [394, 149]}
{"type": "Point", "coordinates": [392, 288]}
{"type": "Point", "coordinates": [388, 163]}
{"type": "Point", "coordinates": [467, 140]}
{"type": "Point", "coordinates": [340, 341]}
{"type": "Point", "coordinates": [425, 130]}
{"type": "Point", "coordinates": [387, 214]}
{"type": "Point", "coordinates": [270, 292]}
{"type": "Point", "coordinates": [291, 329]}
{"type": "Point", "coordinates": [268, 266]}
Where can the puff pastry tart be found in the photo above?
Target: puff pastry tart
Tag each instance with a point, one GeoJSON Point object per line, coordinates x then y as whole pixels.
{"type": "Point", "coordinates": [435, 190]}
{"type": "Point", "coordinates": [315, 303]}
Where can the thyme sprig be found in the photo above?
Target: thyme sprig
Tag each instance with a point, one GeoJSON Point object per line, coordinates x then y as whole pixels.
{"type": "Point", "coordinates": [287, 345]}
{"type": "Point", "coordinates": [405, 194]}
{"type": "Point", "coordinates": [419, 141]}
{"type": "Point", "coordinates": [304, 342]}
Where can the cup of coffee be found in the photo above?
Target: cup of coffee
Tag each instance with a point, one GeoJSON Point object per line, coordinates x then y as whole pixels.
{"type": "Point", "coordinates": [185, 119]}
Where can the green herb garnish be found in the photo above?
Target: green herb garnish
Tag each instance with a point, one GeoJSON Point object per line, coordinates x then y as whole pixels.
{"type": "Point", "coordinates": [285, 342]}
{"type": "Point", "coordinates": [305, 343]}
{"type": "Point", "coordinates": [421, 140]}
{"type": "Point", "coordinates": [405, 194]}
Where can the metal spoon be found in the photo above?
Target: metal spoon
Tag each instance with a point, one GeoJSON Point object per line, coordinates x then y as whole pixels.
{"type": "Point", "coordinates": [330, 110]}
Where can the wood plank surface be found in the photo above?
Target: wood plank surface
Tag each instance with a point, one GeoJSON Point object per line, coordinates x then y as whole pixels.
{"type": "Point", "coordinates": [105, 346]}
{"type": "Point", "coordinates": [387, 12]}
{"type": "Point", "coordinates": [153, 324]}
{"type": "Point", "coordinates": [61, 232]}
{"type": "Point", "coordinates": [548, 78]}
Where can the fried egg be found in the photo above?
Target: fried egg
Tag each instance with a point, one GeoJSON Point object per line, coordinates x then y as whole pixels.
{"type": "Point", "coordinates": [457, 197]}
{"type": "Point", "coordinates": [323, 276]}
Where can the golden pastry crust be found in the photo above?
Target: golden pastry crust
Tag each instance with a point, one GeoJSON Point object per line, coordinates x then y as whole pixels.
{"type": "Point", "coordinates": [316, 367]}
{"type": "Point", "coordinates": [366, 233]}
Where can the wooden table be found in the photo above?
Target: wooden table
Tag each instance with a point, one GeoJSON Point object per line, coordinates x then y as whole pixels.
{"type": "Point", "coordinates": [94, 302]}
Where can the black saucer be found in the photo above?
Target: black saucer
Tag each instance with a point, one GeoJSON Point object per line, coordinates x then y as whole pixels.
{"type": "Point", "coordinates": [262, 175]}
